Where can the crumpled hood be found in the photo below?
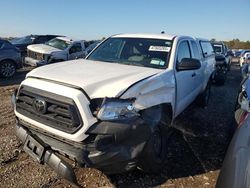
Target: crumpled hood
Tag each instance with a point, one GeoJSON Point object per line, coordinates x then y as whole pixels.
{"type": "Point", "coordinates": [43, 48]}
{"type": "Point", "coordinates": [97, 79]}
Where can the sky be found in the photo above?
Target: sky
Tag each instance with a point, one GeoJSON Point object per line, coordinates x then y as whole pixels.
{"type": "Point", "coordinates": [94, 19]}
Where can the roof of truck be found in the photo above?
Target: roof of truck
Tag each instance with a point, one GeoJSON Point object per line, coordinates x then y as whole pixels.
{"type": "Point", "coordinates": [145, 35]}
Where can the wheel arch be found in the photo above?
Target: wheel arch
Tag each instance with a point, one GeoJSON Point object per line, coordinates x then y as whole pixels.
{"type": "Point", "coordinates": [158, 113]}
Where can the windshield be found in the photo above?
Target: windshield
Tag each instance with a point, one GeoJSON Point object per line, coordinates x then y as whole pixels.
{"type": "Point", "coordinates": [134, 51]}
{"type": "Point", "coordinates": [23, 40]}
{"type": "Point", "coordinates": [58, 43]}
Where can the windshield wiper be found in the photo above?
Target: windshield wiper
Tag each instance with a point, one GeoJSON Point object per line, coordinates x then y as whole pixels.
{"type": "Point", "coordinates": [104, 60]}
{"type": "Point", "coordinates": [132, 63]}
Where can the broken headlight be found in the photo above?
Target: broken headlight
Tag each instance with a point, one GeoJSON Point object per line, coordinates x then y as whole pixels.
{"type": "Point", "coordinates": [114, 109]}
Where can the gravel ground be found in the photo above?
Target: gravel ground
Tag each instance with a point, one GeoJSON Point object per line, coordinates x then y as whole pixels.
{"type": "Point", "coordinates": [196, 150]}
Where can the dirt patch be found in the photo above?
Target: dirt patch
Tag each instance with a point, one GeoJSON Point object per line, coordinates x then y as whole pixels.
{"type": "Point", "coordinates": [196, 150]}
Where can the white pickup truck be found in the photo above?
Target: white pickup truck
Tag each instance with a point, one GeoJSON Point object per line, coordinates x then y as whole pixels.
{"type": "Point", "coordinates": [56, 50]}
{"type": "Point", "coordinates": [113, 110]}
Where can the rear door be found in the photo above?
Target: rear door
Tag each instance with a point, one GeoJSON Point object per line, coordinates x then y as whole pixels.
{"type": "Point", "coordinates": [197, 54]}
{"type": "Point", "coordinates": [208, 59]}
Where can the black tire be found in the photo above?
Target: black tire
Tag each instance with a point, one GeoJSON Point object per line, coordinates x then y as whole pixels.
{"type": "Point", "coordinates": [220, 79]}
{"type": "Point", "coordinates": [7, 68]}
{"type": "Point", "coordinates": [154, 154]}
{"type": "Point", "coordinates": [203, 98]}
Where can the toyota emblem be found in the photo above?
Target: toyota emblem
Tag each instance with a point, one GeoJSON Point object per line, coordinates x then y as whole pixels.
{"type": "Point", "coordinates": [40, 106]}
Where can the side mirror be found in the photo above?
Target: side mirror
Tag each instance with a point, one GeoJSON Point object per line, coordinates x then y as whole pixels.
{"type": "Point", "coordinates": [188, 64]}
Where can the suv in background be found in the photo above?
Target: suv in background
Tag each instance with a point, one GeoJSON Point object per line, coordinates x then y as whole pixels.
{"type": "Point", "coordinates": [56, 50]}
{"type": "Point", "coordinates": [222, 54]}
{"type": "Point", "coordinates": [235, 171]}
{"type": "Point", "coordinates": [22, 42]}
{"type": "Point", "coordinates": [10, 59]}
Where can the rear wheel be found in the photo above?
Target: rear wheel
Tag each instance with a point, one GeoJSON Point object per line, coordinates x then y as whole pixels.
{"type": "Point", "coordinates": [7, 69]}
{"type": "Point", "coordinates": [220, 75]}
{"type": "Point", "coordinates": [204, 97]}
{"type": "Point", "coordinates": [220, 79]}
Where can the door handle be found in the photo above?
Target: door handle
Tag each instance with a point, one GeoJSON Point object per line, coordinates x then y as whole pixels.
{"type": "Point", "coordinates": [194, 74]}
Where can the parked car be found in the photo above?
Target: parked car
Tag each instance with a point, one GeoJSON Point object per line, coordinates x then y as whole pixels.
{"type": "Point", "coordinates": [237, 53]}
{"type": "Point", "coordinates": [114, 109]}
{"type": "Point", "coordinates": [236, 58]}
{"type": "Point", "coordinates": [22, 42]}
{"type": "Point", "coordinates": [222, 53]}
{"type": "Point", "coordinates": [235, 171]}
{"type": "Point", "coordinates": [243, 56]}
{"type": "Point", "coordinates": [10, 59]}
{"type": "Point", "coordinates": [56, 50]}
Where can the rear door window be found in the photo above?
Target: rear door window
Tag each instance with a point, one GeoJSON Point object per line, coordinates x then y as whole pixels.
{"type": "Point", "coordinates": [196, 53]}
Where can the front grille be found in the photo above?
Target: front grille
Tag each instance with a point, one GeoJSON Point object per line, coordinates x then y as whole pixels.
{"type": "Point", "coordinates": [35, 55]}
{"type": "Point", "coordinates": [49, 109]}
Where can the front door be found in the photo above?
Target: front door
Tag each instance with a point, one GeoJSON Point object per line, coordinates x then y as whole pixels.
{"type": "Point", "coordinates": [186, 88]}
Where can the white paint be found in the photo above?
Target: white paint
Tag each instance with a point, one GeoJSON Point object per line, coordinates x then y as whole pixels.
{"type": "Point", "coordinates": [149, 86]}
{"type": "Point", "coordinates": [98, 79]}
{"type": "Point", "coordinates": [78, 97]}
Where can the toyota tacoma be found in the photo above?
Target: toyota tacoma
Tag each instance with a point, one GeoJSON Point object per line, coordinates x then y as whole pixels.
{"type": "Point", "coordinates": [113, 110]}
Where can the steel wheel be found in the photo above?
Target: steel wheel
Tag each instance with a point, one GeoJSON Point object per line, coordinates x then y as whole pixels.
{"type": "Point", "coordinates": [7, 69]}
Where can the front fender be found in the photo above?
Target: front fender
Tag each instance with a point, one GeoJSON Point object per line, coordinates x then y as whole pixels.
{"type": "Point", "coordinates": [152, 91]}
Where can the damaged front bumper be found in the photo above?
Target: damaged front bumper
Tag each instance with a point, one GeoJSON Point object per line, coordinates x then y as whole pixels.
{"type": "Point", "coordinates": [42, 153]}
{"type": "Point", "coordinates": [112, 146]}
{"type": "Point", "coordinates": [34, 62]}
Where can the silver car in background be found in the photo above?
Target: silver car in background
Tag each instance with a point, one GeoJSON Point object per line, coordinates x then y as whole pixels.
{"type": "Point", "coordinates": [235, 172]}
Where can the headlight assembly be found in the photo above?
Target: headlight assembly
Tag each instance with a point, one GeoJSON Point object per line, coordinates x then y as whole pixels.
{"type": "Point", "coordinates": [114, 109]}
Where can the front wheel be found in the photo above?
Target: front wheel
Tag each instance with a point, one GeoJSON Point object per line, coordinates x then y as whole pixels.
{"type": "Point", "coordinates": [155, 152]}
{"type": "Point", "coordinates": [7, 69]}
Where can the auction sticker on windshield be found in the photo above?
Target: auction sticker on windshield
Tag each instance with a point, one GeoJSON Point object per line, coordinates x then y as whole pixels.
{"type": "Point", "coordinates": [159, 48]}
{"type": "Point", "coordinates": [157, 62]}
